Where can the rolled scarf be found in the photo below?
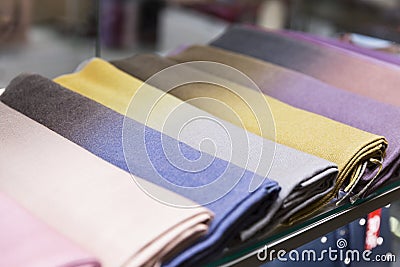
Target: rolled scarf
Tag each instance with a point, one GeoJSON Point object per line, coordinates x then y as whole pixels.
{"type": "Point", "coordinates": [305, 179]}
{"type": "Point", "coordinates": [297, 179]}
{"type": "Point", "coordinates": [99, 130]}
{"type": "Point", "coordinates": [337, 67]}
{"type": "Point", "coordinates": [27, 241]}
{"type": "Point", "coordinates": [88, 200]}
{"type": "Point", "coordinates": [315, 96]}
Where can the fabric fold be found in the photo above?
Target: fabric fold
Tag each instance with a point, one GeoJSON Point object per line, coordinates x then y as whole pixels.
{"type": "Point", "coordinates": [315, 96]}
{"type": "Point", "coordinates": [304, 178]}
{"type": "Point", "coordinates": [337, 67]}
{"type": "Point", "coordinates": [99, 130]}
{"type": "Point", "coordinates": [313, 134]}
{"type": "Point", "coordinates": [302, 192]}
{"type": "Point", "coordinates": [26, 241]}
{"type": "Point", "coordinates": [88, 200]}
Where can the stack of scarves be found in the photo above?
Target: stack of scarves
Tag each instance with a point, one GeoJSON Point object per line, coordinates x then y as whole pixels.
{"type": "Point", "coordinates": [316, 91]}
{"type": "Point", "coordinates": [99, 130]}
{"type": "Point", "coordinates": [117, 170]}
{"type": "Point", "coordinates": [295, 128]}
{"type": "Point", "coordinates": [303, 185]}
{"type": "Point", "coordinates": [310, 94]}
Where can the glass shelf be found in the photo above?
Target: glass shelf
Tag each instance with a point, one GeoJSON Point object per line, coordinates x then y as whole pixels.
{"type": "Point", "coordinates": [288, 238]}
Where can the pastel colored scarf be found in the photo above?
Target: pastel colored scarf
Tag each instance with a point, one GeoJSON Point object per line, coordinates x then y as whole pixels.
{"type": "Point", "coordinates": [88, 200]}
{"type": "Point", "coordinates": [27, 241]}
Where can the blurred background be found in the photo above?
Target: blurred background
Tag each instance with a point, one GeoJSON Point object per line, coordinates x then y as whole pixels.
{"type": "Point", "coordinates": [51, 37]}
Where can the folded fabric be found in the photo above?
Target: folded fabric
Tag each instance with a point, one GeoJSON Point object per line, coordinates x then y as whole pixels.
{"type": "Point", "coordinates": [26, 241]}
{"type": "Point", "coordinates": [304, 178]}
{"type": "Point", "coordinates": [89, 200]}
{"type": "Point", "coordinates": [315, 96]}
{"type": "Point", "coordinates": [350, 148]}
{"type": "Point", "coordinates": [337, 67]}
{"type": "Point", "coordinates": [99, 130]}
{"type": "Point", "coordinates": [389, 58]}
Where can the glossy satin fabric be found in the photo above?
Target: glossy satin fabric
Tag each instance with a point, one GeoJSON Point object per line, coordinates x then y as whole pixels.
{"type": "Point", "coordinates": [88, 200]}
{"type": "Point", "coordinates": [337, 67]}
{"type": "Point", "coordinates": [315, 96]}
{"type": "Point", "coordinates": [305, 177]}
{"type": "Point", "coordinates": [298, 184]}
{"type": "Point", "coordinates": [99, 130]}
{"type": "Point", "coordinates": [26, 241]}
